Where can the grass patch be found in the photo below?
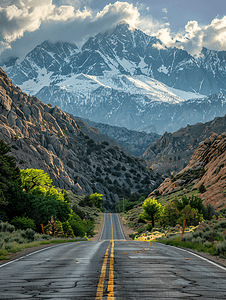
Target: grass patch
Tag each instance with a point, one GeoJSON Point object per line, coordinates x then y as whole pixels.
{"type": "Point", "coordinates": [194, 246]}
{"type": "Point", "coordinates": [186, 191]}
{"type": "Point", "coordinates": [15, 247]}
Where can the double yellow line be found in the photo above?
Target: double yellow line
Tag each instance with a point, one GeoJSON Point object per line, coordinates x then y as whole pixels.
{"type": "Point", "coordinates": [110, 288]}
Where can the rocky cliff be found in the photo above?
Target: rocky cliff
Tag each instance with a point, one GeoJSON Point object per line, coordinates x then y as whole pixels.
{"type": "Point", "coordinates": [75, 156]}
{"type": "Point", "coordinates": [207, 166]}
{"type": "Point", "coordinates": [173, 151]}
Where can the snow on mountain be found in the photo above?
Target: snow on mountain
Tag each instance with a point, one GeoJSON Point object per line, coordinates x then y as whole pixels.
{"type": "Point", "coordinates": [121, 78]}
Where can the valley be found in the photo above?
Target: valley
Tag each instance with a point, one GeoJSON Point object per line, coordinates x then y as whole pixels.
{"type": "Point", "coordinates": [121, 126]}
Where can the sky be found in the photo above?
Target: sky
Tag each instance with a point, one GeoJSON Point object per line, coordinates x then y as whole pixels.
{"type": "Point", "coordinates": [188, 25]}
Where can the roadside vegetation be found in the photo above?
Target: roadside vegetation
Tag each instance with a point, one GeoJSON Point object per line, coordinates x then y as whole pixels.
{"type": "Point", "coordinates": [161, 219]}
{"type": "Point", "coordinates": [13, 240]}
{"type": "Point", "coordinates": [33, 210]}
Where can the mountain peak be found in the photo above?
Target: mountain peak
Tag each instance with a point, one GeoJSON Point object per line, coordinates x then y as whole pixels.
{"type": "Point", "coordinates": [125, 24]}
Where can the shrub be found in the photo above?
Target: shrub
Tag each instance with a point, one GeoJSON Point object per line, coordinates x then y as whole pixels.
{"type": "Point", "coordinates": [68, 231]}
{"type": "Point", "coordinates": [207, 244]}
{"type": "Point", "coordinates": [54, 228]}
{"type": "Point", "coordinates": [105, 143]}
{"type": "Point", "coordinates": [199, 240]}
{"type": "Point", "coordinates": [21, 162]}
{"type": "Point", "coordinates": [28, 234]}
{"type": "Point", "coordinates": [6, 227]}
{"type": "Point", "coordinates": [14, 147]}
{"type": "Point", "coordinates": [77, 226]}
{"type": "Point", "coordinates": [17, 136]}
{"type": "Point", "coordinates": [187, 237]}
{"type": "Point", "coordinates": [78, 211]}
{"type": "Point", "coordinates": [198, 233]}
{"type": "Point", "coordinates": [221, 248]}
{"type": "Point", "coordinates": [23, 223]}
{"type": "Point", "coordinates": [202, 188]}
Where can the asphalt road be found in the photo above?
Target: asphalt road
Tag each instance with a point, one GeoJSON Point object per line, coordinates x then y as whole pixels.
{"type": "Point", "coordinates": [112, 269]}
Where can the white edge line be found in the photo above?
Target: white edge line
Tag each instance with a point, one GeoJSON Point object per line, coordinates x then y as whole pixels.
{"type": "Point", "coordinates": [46, 248]}
{"type": "Point", "coordinates": [102, 228]}
{"type": "Point", "coordinates": [211, 262]}
{"type": "Point", "coordinates": [121, 228]}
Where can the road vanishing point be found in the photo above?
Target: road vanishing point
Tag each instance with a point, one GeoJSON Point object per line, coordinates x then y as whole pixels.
{"type": "Point", "coordinates": [112, 268]}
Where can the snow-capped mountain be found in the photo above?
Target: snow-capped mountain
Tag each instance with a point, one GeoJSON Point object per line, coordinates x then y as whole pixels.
{"type": "Point", "coordinates": [121, 78]}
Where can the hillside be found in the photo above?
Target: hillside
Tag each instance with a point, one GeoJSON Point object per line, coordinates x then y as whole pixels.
{"type": "Point", "coordinates": [173, 151]}
{"type": "Point", "coordinates": [135, 141]}
{"type": "Point", "coordinates": [75, 156]}
{"type": "Point", "coordinates": [207, 167]}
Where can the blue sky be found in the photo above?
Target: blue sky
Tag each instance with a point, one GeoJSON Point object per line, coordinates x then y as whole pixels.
{"type": "Point", "coordinates": [178, 12]}
{"type": "Point", "coordinates": [188, 25]}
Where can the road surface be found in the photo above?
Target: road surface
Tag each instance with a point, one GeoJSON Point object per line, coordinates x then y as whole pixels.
{"type": "Point", "coordinates": [112, 268]}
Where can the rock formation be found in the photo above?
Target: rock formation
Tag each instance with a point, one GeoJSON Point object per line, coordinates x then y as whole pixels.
{"type": "Point", "coordinates": [75, 156]}
{"type": "Point", "coordinates": [173, 151]}
{"type": "Point", "coordinates": [207, 166]}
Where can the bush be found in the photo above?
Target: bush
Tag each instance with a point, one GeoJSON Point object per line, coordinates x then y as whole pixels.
{"type": "Point", "coordinates": [221, 224]}
{"type": "Point", "coordinates": [198, 233]}
{"type": "Point", "coordinates": [78, 211]}
{"type": "Point", "coordinates": [202, 188]}
{"type": "Point", "coordinates": [28, 234]}
{"type": "Point", "coordinates": [23, 223]}
{"type": "Point", "coordinates": [105, 143]}
{"type": "Point", "coordinates": [54, 228]}
{"type": "Point", "coordinates": [207, 244]}
{"type": "Point", "coordinates": [6, 227]}
{"type": "Point", "coordinates": [68, 231]}
{"type": "Point", "coordinates": [186, 237]}
{"type": "Point", "coordinates": [77, 226]}
{"type": "Point", "coordinates": [221, 248]}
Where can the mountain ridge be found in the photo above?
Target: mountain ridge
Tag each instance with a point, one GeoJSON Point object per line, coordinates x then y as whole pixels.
{"type": "Point", "coordinates": [121, 69]}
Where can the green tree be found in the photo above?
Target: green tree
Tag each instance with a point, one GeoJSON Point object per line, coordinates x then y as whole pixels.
{"type": "Point", "coordinates": [97, 199]}
{"type": "Point", "coordinates": [192, 216]}
{"type": "Point", "coordinates": [32, 178]}
{"type": "Point", "coordinates": [23, 223]}
{"type": "Point", "coordinates": [77, 225]}
{"type": "Point", "coordinates": [170, 215]}
{"type": "Point", "coordinates": [54, 228]}
{"type": "Point", "coordinates": [151, 210]}
{"type": "Point", "coordinates": [68, 231]}
{"type": "Point", "coordinates": [194, 201]}
{"type": "Point", "coordinates": [49, 202]}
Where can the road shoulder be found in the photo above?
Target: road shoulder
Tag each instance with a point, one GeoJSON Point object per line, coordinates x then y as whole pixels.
{"type": "Point", "coordinates": [126, 230]}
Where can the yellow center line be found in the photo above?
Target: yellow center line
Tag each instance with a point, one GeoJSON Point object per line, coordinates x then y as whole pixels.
{"type": "Point", "coordinates": [110, 287]}
{"type": "Point", "coordinates": [100, 287]}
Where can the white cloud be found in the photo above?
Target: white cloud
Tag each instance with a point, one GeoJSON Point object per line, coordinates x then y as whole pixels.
{"type": "Point", "coordinates": [27, 15]}
{"type": "Point", "coordinates": [195, 36]}
{"type": "Point", "coordinates": [4, 46]}
{"type": "Point", "coordinates": [19, 17]}
{"type": "Point", "coordinates": [26, 23]}
{"type": "Point", "coordinates": [119, 11]}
